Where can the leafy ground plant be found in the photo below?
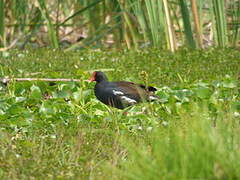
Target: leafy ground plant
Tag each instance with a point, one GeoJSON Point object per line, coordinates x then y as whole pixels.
{"type": "Point", "coordinates": [59, 130]}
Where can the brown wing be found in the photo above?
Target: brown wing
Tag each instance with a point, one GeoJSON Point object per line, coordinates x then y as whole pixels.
{"type": "Point", "coordinates": [133, 85]}
{"type": "Point", "coordinates": [149, 88]}
{"type": "Point", "coordinates": [135, 91]}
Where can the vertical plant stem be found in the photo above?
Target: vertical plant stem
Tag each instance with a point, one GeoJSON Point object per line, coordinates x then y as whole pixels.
{"type": "Point", "coordinates": [187, 25]}
{"type": "Point", "coordinates": [196, 22]}
{"type": "Point", "coordinates": [221, 25]}
{"type": "Point", "coordinates": [143, 22]}
{"type": "Point", "coordinates": [114, 6]}
{"type": "Point", "coordinates": [213, 30]}
{"type": "Point", "coordinates": [57, 19]}
{"type": "Point", "coordinates": [169, 26]}
{"type": "Point", "coordinates": [152, 20]}
{"type": "Point", "coordinates": [129, 24]}
{"type": "Point", "coordinates": [175, 18]}
{"type": "Point", "coordinates": [153, 10]}
{"type": "Point", "coordinates": [161, 23]}
{"type": "Point", "coordinates": [141, 17]}
{"type": "Point", "coordinates": [235, 22]}
{"type": "Point", "coordinates": [2, 24]}
{"type": "Point", "coordinates": [51, 30]}
{"type": "Point", "coordinates": [126, 36]}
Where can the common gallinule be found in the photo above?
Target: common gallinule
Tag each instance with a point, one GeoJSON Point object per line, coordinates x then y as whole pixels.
{"type": "Point", "coordinates": [120, 94]}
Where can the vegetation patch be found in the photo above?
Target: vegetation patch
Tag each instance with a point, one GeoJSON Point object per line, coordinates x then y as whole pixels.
{"type": "Point", "coordinates": [60, 130]}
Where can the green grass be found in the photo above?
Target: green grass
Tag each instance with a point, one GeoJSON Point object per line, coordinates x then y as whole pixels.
{"type": "Point", "coordinates": [118, 24]}
{"type": "Point", "coordinates": [60, 131]}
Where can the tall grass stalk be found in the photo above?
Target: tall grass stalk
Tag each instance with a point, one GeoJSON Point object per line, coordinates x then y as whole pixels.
{"type": "Point", "coordinates": [129, 24]}
{"type": "Point", "coordinates": [170, 31]}
{"type": "Point", "coordinates": [35, 25]}
{"type": "Point", "coordinates": [116, 11]}
{"type": "Point", "coordinates": [90, 5]}
{"type": "Point", "coordinates": [157, 22]}
{"type": "Point", "coordinates": [101, 32]}
{"type": "Point", "coordinates": [235, 24]}
{"type": "Point", "coordinates": [187, 24]}
{"type": "Point", "coordinates": [51, 29]}
{"type": "Point", "coordinates": [220, 22]}
{"type": "Point", "coordinates": [196, 23]}
{"type": "Point", "coordinates": [201, 18]}
{"type": "Point", "coordinates": [2, 24]}
{"type": "Point", "coordinates": [191, 148]}
{"type": "Point", "coordinates": [139, 12]}
{"type": "Point", "coordinates": [162, 24]}
{"type": "Point", "coordinates": [152, 12]}
{"type": "Point", "coordinates": [153, 22]}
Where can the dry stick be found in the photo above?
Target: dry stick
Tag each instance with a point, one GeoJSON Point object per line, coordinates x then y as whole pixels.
{"type": "Point", "coordinates": [6, 80]}
{"type": "Point", "coordinates": [9, 47]}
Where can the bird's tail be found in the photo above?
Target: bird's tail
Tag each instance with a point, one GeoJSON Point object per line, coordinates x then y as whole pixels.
{"type": "Point", "coordinates": [153, 97]}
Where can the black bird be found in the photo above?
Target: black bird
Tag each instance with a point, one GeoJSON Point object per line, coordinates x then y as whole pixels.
{"type": "Point", "coordinates": [120, 94]}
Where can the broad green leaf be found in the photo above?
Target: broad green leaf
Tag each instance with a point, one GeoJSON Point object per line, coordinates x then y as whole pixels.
{"type": "Point", "coordinates": [63, 94]}
{"type": "Point", "coordinates": [15, 109]}
{"type": "Point", "coordinates": [163, 96]}
{"type": "Point", "coordinates": [203, 92]}
{"type": "Point", "coordinates": [236, 105]}
{"type": "Point", "coordinates": [47, 108]}
{"type": "Point", "coordinates": [67, 86]}
{"type": "Point", "coordinates": [77, 95]}
{"type": "Point", "coordinates": [230, 84]}
{"type": "Point", "coordinates": [20, 99]}
{"type": "Point", "coordinates": [35, 92]}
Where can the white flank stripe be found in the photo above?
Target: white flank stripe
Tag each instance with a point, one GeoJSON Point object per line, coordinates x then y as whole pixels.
{"type": "Point", "coordinates": [129, 100]}
{"type": "Point", "coordinates": [117, 92]}
{"type": "Point", "coordinates": [152, 98]}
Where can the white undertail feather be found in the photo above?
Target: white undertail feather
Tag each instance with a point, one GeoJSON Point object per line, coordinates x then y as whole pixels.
{"type": "Point", "coordinates": [153, 98]}
{"type": "Point", "coordinates": [128, 100]}
{"type": "Point", "coordinates": [124, 98]}
{"type": "Point", "coordinates": [117, 92]}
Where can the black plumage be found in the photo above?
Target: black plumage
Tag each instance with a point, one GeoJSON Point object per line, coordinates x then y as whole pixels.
{"type": "Point", "coordinates": [120, 94]}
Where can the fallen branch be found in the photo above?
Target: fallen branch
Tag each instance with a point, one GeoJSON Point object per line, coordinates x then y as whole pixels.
{"type": "Point", "coordinates": [10, 46]}
{"type": "Point", "coordinates": [6, 80]}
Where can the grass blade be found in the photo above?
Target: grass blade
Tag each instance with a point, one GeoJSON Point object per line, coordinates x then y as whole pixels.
{"type": "Point", "coordinates": [51, 30]}
{"type": "Point", "coordinates": [169, 27]}
{"type": "Point", "coordinates": [2, 24]}
{"type": "Point", "coordinates": [221, 26]}
{"type": "Point", "coordinates": [235, 12]}
{"type": "Point", "coordinates": [81, 11]}
{"type": "Point", "coordinates": [187, 25]}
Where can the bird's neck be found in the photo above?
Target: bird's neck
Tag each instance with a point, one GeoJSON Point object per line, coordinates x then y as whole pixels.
{"type": "Point", "coordinates": [102, 80]}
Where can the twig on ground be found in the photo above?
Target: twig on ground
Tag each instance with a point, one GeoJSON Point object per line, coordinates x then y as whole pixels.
{"type": "Point", "coordinates": [10, 46]}
{"type": "Point", "coordinates": [6, 80]}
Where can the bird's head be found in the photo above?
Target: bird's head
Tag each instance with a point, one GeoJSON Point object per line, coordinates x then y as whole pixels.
{"type": "Point", "coordinates": [98, 76]}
